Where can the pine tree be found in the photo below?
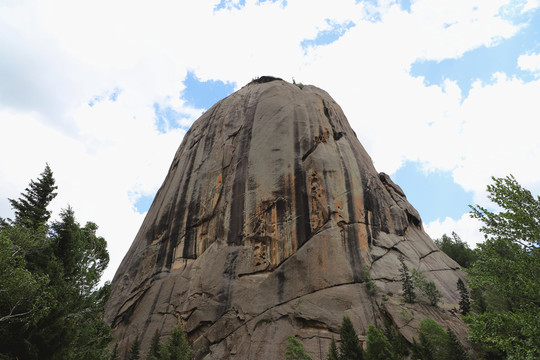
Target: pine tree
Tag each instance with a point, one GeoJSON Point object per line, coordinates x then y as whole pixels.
{"type": "Point", "coordinates": [332, 351]}
{"type": "Point", "coordinates": [154, 353]}
{"type": "Point", "coordinates": [400, 346]}
{"type": "Point", "coordinates": [134, 350]}
{"type": "Point", "coordinates": [464, 302]}
{"type": "Point", "coordinates": [31, 209]}
{"type": "Point", "coordinates": [177, 346]}
{"type": "Point", "coordinates": [454, 349]}
{"type": "Point", "coordinates": [349, 347]}
{"type": "Point", "coordinates": [378, 347]}
{"type": "Point", "coordinates": [114, 354]}
{"type": "Point", "coordinates": [295, 350]}
{"type": "Point", "coordinates": [406, 282]}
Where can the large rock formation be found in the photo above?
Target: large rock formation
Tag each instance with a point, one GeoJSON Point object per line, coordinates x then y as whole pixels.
{"type": "Point", "coordinates": [265, 225]}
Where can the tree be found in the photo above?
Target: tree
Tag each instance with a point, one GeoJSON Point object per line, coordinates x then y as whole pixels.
{"type": "Point", "coordinates": [349, 347]}
{"type": "Point", "coordinates": [433, 340]}
{"type": "Point", "coordinates": [154, 353]}
{"type": "Point", "coordinates": [454, 349]}
{"type": "Point", "coordinates": [295, 350]}
{"type": "Point", "coordinates": [53, 304]}
{"type": "Point", "coordinates": [507, 272]}
{"type": "Point", "coordinates": [332, 351]}
{"type": "Point", "coordinates": [457, 249]}
{"type": "Point", "coordinates": [31, 209]}
{"type": "Point", "coordinates": [407, 282]}
{"type": "Point", "coordinates": [114, 354]}
{"type": "Point", "coordinates": [400, 346]}
{"type": "Point", "coordinates": [176, 347]}
{"type": "Point", "coordinates": [378, 346]}
{"type": "Point", "coordinates": [134, 350]}
{"type": "Point", "coordinates": [427, 288]}
{"type": "Point", "coordinates": [464, 302]}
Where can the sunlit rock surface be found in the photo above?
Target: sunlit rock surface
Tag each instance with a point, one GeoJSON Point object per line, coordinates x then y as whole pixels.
{"type": "Point", "coordinates": [264, 226]}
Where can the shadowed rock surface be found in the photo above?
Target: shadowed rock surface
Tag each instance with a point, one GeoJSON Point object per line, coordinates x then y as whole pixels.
{"type": "Point", "coordinates": [270, 214]}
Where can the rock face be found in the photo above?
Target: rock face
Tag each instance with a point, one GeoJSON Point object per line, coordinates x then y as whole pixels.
{"type": "Point", "coordinates": [270, 216]}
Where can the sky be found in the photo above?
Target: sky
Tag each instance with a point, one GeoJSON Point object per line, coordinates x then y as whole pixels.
{"type": "Point", "coordinates": [442, 94]}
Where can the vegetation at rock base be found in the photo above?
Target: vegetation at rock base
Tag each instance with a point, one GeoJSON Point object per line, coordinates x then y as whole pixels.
{"type": "Point", "coordinates": [400, 346]}
{"type": "Point", "coordinates": [332, 351]}
{"type": "Point", "coordinates": [378, 347]}
{"type": "Point", "coordinates": [505, 277]}
{"type": "Point", "coordinates": [295, 350]}
{"type": "Point", "coordinates": [436, 344]}
{"type": "Point", "coordinates": [457, 249]}
{"type": "Point", "coordinates": [134, 350]}
{"type": "Point", "coordinates": [154, 353]}
{"type": "Point", "coordinates": [51, 302]}
{"type": "Point", "coordinates": [349, 347]}
{"type": "Point", "coordinates": [177, 346]}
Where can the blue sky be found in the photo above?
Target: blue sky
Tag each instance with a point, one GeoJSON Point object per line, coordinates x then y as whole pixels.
{"type": "Point", "coordinates": [442, 94]}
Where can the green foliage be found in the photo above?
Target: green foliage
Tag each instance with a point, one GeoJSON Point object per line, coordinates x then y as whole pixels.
{"type": "Point", "coordinates": [31, 208]}
{"type": "Point", "coordinates": [134, 350]}
{"type": "Point", "coordinates": [436, 344]}
{"type": "Point", "coordinates": [433, 341]}
{"type": "Point", "coordinates": [154, 353]}
{"type": "Point", "coordinates": [349, 347]}
{"type": "Point", "coordinates": [368, 281]}
{"type": "Point", "coordinates": [464, 302]}
{"type": "Point", "coordinates": [457, 249]}
{"type": "Point", "coordinates": [332, 351]}
{"type": "Point", "coordinates": [507, 273]}
{"type": "Point", "coordinates": [295, 350]}
{"type": "Point", "coordinates": [53, 305]}
{"type": "Point", "coordinates": [427, 288]}
{"type": "Point", "coordinates": [262, 321]}
{"type": "Point", "coordinates": [378, 347]}
{"type": "Point", "coordinates": [400, 346]}
{"type": "Point", "coordinates": [177, 346]}
{"type": "Point", "coordinates": [454, 349]}
{"type": "Point", "coordinates": [114, 353]}
{"type": "Point", "coordinates": [407, 282]}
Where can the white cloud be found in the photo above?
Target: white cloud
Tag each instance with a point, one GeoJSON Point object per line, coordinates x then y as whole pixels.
{"type": "Point", "coordinates": [56, 56]}
{"type": "Point", "coordinates": [466, 227]}
{"type": "Point", "coordinates": [530, 62]}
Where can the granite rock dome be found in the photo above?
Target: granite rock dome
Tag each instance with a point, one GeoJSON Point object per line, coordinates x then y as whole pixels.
{"type": "Point", "coordinates": [269, 216]}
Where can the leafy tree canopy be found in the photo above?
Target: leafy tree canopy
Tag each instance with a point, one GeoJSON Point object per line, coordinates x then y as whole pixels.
{"type": "Point", "coordinates": [507, 272]}
{"type": "Point", "coordinates": [457, 249]}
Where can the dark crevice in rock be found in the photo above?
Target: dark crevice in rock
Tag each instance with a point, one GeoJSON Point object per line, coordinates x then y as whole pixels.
{"type": "Point", "coordinates": [429, 253]}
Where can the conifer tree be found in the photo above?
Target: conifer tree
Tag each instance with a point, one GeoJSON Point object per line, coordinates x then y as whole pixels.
{"type": "Point", "coordinates": [406, 282]}
{"type": "Point", "coordinates": [378, 347]}
{"type": "Point", "coordinates": [400, 346]}
{"type": "Point", "coordinates": [427, 288]}
{"type": "Point", "coordinates": [114, 354]}
{"type": "Point", "coordinates": [454, 349]}
{"type": "Point", "coordinates": [176, 347]}
{"type": "Point", "coordinates": [31, 208]}
{"type": "Point", "coordinates": [349, 347]}
{"type": "Point", "coordinates": [134, 350]}
{"type": "Point", "coordinates": [332, 351]}
{"type": "Point", "coordinates": [295, 350]}
{"type": "Point", "coordinates": [464, 302]}
{"type": "Point", "coordinates": [154, 353]}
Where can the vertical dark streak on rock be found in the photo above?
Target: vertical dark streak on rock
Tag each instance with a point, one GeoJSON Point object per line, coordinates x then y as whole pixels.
{"type": "Point", "coordinates": [229, 276]}
{"type": "Point", "coordinates": [281, 284]}
{"type": "Point", "coordinates": [349, 231]}
{"type": "Point", "coordinates": [303, 226]}
{"type": "Point", "coordinates": [176, 212]}
{"type": "Point", "coordinates": [152, 309]}
{"type": "Point", "coordinates": [236, 223]}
